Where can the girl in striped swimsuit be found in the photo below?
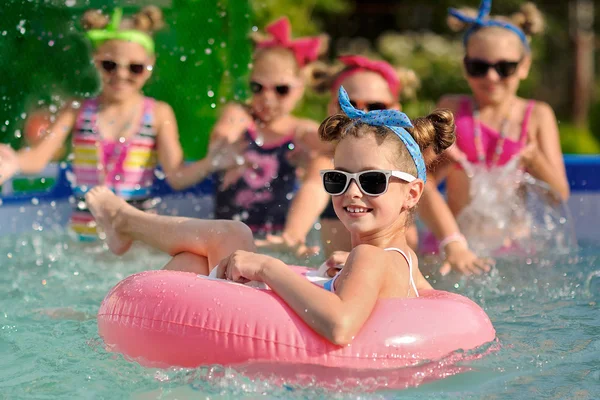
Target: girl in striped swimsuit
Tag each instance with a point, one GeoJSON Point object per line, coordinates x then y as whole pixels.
{"type": "Point", "coordinates": [119, 136]}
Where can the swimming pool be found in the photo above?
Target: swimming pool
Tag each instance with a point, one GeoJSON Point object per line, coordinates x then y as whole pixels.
{"type": "Point", "coordinates": [544, 309]}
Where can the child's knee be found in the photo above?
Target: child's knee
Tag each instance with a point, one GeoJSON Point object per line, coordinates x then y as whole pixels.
{"type": "Point", "coordinates": [237, 233]}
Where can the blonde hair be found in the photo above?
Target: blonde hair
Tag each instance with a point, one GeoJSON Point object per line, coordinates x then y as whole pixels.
{"type": "Point", "coordinates": [321, 77]}
{"type": "Point", "coordinates": [529, 19]}
{"type": "Point", "coordinates": [148, 20]}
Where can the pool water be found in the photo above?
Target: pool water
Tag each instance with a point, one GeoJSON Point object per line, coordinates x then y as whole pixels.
{"type": "Point", "coordinates": [545, 311]}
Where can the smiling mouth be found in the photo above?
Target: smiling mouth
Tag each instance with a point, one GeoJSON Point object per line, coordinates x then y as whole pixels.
{"type": "Point", "coordinates": [357, 210]}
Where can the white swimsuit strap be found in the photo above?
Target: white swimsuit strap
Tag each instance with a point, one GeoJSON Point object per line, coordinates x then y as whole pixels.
{"type": "Point", "coordinates": [410, 266]}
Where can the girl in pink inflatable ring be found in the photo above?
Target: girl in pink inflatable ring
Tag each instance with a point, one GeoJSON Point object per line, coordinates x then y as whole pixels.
{"type": "Point", "coordinates": [377, 182]}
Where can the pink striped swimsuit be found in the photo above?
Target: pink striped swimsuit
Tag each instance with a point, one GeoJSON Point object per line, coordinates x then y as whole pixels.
{"type": "Point", "coordinates": [125, 166]}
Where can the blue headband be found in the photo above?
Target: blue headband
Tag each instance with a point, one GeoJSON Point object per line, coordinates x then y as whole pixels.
{"type": "Point", "coordinates": [392, 119]}
{"type": "Point", "coordinates": [482, 21]}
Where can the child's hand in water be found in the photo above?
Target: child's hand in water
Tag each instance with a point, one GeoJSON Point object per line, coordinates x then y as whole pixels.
{"type": "Point", "coordinates": [463, 260]}
{"type": "Point", "coordinates": [285, 244]}
{"type": "Point", "coordinates": [9, 163]}
{"type": "Point", "coordinates": [243, 266]}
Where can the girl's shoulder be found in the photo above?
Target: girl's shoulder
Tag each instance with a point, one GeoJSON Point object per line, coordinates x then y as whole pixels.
{"type": "Point", "coordinates": [540, 111]}
{"type": "Point", "coordinates": [304, 126]}
{"type": "Point", "coordinates": [540, 108]}
{"type": "Point", "coordinates": [376, 254]}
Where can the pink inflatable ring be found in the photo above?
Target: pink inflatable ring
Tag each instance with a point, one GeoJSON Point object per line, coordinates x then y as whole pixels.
{"type": "Point", "coordinates": [166, 318]}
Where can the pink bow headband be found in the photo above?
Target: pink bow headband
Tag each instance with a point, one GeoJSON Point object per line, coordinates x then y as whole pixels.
{"type": "Point", "coordinates": [305, 49]}
{"type": "Point", "coordinates": [356, 64]}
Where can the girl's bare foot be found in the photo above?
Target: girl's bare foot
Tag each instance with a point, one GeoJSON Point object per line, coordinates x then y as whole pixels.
{"type": "Point", "coordinates": [106, 208]}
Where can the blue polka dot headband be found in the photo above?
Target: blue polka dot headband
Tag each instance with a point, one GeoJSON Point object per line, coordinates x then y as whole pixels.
{"type": "Point", "coordinates": [482, 20]}
{"type": "Point", "coordinates": [394, 120]}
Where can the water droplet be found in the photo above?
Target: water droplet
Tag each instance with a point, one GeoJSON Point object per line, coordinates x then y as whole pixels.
{"type": "Point", "coordinates": [70, 3]}
{"type": "Point", "coordinates": [182, 58]}
{"type": "Point", "coordinates": [211, 41]}
{"type": "Point", "coordinates": [213, 105]}
{"type": "Point", "coordinates": [35, 201]}
{"type": "Point", "coordinates": [207, 51]}
{"type": "Point", "coordinates": [159, 174]}
{"type": "Point", "coordinates": [211, 93]}
{"type": "Point", "coordinates": [51, 43]}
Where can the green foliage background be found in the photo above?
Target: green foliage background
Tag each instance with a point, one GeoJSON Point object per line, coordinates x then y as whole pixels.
{"type": "Point", "coordinates": [203, 56]}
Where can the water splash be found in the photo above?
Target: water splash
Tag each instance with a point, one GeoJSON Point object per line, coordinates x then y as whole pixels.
{"type": "Point", "coordinates": [510, 211]}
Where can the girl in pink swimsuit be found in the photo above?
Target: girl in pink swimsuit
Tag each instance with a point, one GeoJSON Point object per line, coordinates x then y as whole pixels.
{"type": "Point", "coordinates": [498, 133]}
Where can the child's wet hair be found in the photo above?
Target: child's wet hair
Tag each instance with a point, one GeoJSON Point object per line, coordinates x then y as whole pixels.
{"type": "Point", "coordinates": [529, 19]}
{"type": "Point", "coordinates": [148, 20]}
{"type": "Point", "coordinates": [435, 131]}
{"type": "Point", "coordinates": [322, 76]}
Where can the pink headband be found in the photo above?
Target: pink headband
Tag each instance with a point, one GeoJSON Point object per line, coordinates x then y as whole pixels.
{"type": "Point", "coordinates": [356, 64]}
{"type": "Point", "coordinates": [305, 49]}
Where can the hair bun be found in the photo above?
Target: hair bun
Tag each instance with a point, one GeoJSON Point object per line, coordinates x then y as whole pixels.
{"type": "Point", "coordinates": [437, 130]}
{"type": "Point", "coordinates": [409, 82]}
{"type": "Point", "coordinates": [94, 19]}
{"type": "Point", "coordinates": [149, 19]}
{"type": "Point", "coordinates": [529, 19]}
{"type": "Point", "coordinates": [457, 25]}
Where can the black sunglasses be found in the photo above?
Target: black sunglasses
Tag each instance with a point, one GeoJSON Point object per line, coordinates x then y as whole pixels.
{"type": "Point", "coordinates": [281, 90]}
{"type": "Point", "coordinates": [135, 68]}
{"type": "Point", "coordinates": [371, 183]}
{"type": "Point", "coordinates": [369, 106]}
{"type": "Point", "coordinates": [478, 68]}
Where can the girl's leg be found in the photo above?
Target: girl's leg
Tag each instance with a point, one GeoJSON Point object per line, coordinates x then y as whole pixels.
{"type": "Point", "coordinates": [189, 262]}
{"type": "Point", "coordinates": [123, 224]}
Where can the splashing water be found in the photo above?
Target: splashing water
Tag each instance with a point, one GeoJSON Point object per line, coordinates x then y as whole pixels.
{"type": "Point", "coordinates": [512, 211]}
{"type": "Point", "coordinates": [544, 311]}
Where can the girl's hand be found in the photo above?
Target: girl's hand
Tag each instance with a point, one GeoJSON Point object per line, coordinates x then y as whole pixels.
{"type": "Point", "coordinates": [9, 163]}
{"type": "Point", "coordinates": [224, 155]}
{"type": "Point", "coordinates": [530, 152]}
{"type": "Point", "coordinates": [286, 244]}
{"type": "Point", "coordinates": [463, 260]}
{"type": "Point", "coordinates": [336, 262]}
{"type": "Point", "coordinates": [243, 266]}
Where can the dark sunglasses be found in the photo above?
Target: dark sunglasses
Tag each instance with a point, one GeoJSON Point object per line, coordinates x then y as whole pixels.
{"type": "Point", "coordinates": [281, 90]}
{"type": "Point", "coordinates": [371, 183]}
{"type": "Point", "coordinates": [479, 68]}
{"type": "Point", "coordinates": [135, 68]}
{"type": "Point", "coordinates": [369, 106]}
